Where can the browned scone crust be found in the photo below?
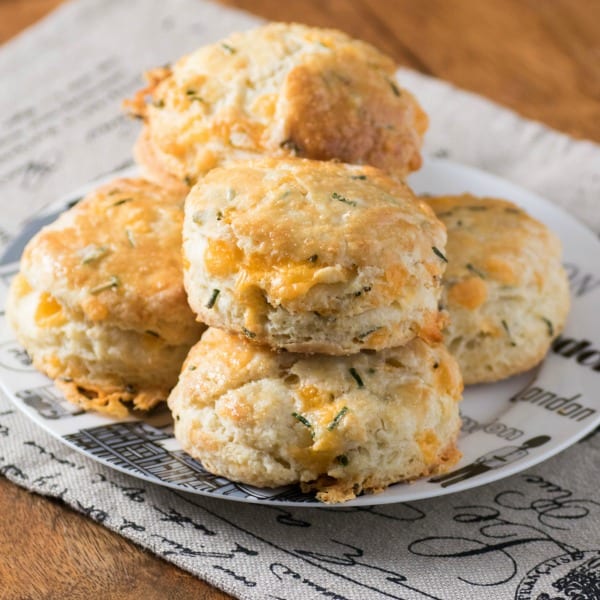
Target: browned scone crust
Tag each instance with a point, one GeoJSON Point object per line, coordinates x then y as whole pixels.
{"type": "Point", "coordinates": [338, 425]}
{"type": "Point", "coordinates": [505, 289]}
{"type": "Point", "coordinates": [279, 90]}
{"type": "Point", "coordinates": [99, 302]}
{"type": "Point", "coordinates": [313, 256]}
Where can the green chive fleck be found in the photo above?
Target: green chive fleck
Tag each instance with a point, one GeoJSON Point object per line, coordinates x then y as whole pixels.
{"type": "Point", "coordinates": [505, 325]}
{"type": "Point", "coordinates": [342, 459]}
{"type": "Point", "coordinates": [438, 253]}
{"type": "Point", "coordinates": [362, 336]}
{"type": "Point", "coordinates": [113, 282]}
{"type": "Point", "coordinates": [337, 419]}
{"type": "Point", "coordinates": [356, 376]}
{"type": "Point", "coordinates": [249, 334]}
{"type": "Point", "coordinates": [160, 103]}
{"type": "Point", "coordinates": [362, 177]}
{"type": "Point", "coordinates": [302, 420]}
{"type": "Point", "coordinates": [228, 48]}
{"type": "Point", "coordinates": [343, 199]}
{"type": "Point", "coordinates": [549, 325]}
{"type": "Point", "coordinates": [152, 333]}
{"type": "Point", "coordinates": [193, 95]}
{"type": "Point", "coordinates": [92, 253]}
{"type": "Point", "coordinates": [122, 201]}
{"type": "Point", "coordinates": [188, 181]}
{"type": "Point", "coordinates": [475, 271]}
{"type": "Point", "coordinates": [394, 88]}
{"type": "Point", "coordinates": [213, 298]}
{"type": "Point", "coordinates": [192, 368]}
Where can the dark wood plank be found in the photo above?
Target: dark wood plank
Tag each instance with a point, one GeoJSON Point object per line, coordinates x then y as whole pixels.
{"type": "Point", "coordinates": [51, 552]}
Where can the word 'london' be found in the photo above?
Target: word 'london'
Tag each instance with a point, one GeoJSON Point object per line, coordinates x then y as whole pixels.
{"type": "Point", "coordinates": [565, 407]}
{"type": "Point", "coordinates": [582, 352]}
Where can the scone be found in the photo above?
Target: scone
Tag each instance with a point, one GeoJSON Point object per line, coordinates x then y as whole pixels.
{"type": "Point", "coordinates": [337, 425]}
{"type": "Point", "coordinates": [505, 290]}
{"type": "Point", "coordinates": [99, 302]}
{"type": "Point", "coordinates": [313, 256]}
{"type": "Point", "coordinates": [279, 90]}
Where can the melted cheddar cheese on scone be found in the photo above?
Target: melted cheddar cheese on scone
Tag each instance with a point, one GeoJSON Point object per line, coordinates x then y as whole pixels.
{"type": "Point", "coordinates": [313, 256]}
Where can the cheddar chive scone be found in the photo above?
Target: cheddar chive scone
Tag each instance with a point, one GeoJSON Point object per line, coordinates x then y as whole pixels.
{"type": "Point", "coordinates": [99, 302]}
{"type": "Point", "coordinates": [337, 425]}
{"type": "Point", "coordinates": [279, 90]}
{"type": "Point", "coordinates": [505, 290]}
{"type": "Point", "coordinates": [313, 256]}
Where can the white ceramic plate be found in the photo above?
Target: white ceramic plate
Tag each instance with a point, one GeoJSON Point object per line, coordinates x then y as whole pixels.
{"type": "Point", "coordinates": [508, 426]}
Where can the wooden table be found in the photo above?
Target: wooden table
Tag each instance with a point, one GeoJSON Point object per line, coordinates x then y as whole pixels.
{"type": "Point", "coordinates": [540, 58]}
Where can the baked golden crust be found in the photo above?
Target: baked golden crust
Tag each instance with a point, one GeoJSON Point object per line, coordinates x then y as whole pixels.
{"type": "Point", "coordinates": [313, 256]}
{"type": "Point", "coordinates": [338, 425]}
{"type": "Point", "coordinates": [153, 169]}
{"type": "Point", "coordinates": [505, 290]}
{"type": "Point", "coordinates": [279, 90]}
{"type": "Point", "coordinates": [115, 257]}
{"type": "Point", "coordinates": [99, 302]}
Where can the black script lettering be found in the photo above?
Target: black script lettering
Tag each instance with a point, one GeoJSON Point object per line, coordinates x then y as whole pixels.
{"type": "Point", "coordinates": [127, 524]}
{"type": "Point", "coordinates": [181, 550]}
{"type": "Point", "coordinates": [553, 505]}
{"type": "Point", "coordinates": [96, 514]}
{"type": "Point", "coordinates": [280, 571]}
{"type": "Point", "coordinates": [496, 538]}
{"type": "Point", "coordinates": [174, 516]}
{"type": "Point", "coordinates": [581, 350]}
{"type": "Point", "coordinates": [569, 347]}
{"type": "Point", "coordinates": [240, 578]}
{"type": "Point", "coordinates": [584, 358]}
{"type": "Point", "coordinates": [348, 559]}
{"type": "Point", "coordinates": [581, 283]}
{"type": "Point", "coordinates": [12, 471]}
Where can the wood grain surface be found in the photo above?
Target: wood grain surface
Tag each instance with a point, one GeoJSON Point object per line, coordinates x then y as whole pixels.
{"type": "Point", "coordinates": [540, 58]}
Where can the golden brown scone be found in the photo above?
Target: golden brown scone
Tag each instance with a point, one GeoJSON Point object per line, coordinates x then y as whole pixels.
{"type": "Point", "coordinates": [99, 302]}
{"type": "Point", "coordinates": [313, 256]}
{"type": "Point", "coordinates": [337, 425]}
{"type": "Point", "coordinates": [279, 90]}
{"type": "Point", "coordinates": [505, 290]}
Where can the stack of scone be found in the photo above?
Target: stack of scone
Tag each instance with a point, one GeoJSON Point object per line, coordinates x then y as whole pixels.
{"type": "Point", "coordinates": [324, 280]}
{"type": "Point", "coordinates": [327, 287]}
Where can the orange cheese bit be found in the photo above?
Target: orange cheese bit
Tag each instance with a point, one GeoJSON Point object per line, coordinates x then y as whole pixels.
{"type": "Point", "coordinates": [469, 293]}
